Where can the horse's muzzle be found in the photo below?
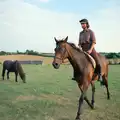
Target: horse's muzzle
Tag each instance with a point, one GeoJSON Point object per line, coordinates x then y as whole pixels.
{"type": "Point", "coordinates": [56, 65]}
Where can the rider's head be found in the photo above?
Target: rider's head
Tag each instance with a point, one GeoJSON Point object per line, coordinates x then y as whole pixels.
{"type": "Point", "coordinates": [84, 23]}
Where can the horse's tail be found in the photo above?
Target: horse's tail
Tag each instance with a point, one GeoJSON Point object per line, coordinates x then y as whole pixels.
{"type": "Point", "coordinates": [21, 71]}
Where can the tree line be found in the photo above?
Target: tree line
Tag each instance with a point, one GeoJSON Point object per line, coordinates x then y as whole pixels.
{"type": "Point", "coordinates": [27, 52]}
{"type": "Point", "coordinates": [110, 55]}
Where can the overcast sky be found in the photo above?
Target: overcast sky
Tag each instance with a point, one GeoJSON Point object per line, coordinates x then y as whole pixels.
{"type": "Point", "coordinates": [33, 24]}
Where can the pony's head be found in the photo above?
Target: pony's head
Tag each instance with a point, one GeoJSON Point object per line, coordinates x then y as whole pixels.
{"type": "Point", "coordinates": [60, 52]}
{"type": "Point", "coordinates": [23, 77]}
{"type": "Point", "coordinates": [21, 72]}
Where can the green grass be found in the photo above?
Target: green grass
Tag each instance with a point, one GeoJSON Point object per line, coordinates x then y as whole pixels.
{"type": "Point", "coordinates": [50, 94]}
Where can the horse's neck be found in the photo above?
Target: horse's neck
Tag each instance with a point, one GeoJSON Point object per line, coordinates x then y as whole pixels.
{"type": "Point", "coordinates": [76, 59]}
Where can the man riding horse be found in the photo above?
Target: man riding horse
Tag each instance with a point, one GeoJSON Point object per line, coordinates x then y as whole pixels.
{"type": "Point", "coordinates": [87, 42]}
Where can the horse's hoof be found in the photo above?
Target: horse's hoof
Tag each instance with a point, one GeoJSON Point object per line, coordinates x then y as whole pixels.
{"type": "Point", "coordinates": [77, 118]}
{"type": "Point", "coordinates": [108, 98]}
{"type": "Point", "coordinates": [93, 107]}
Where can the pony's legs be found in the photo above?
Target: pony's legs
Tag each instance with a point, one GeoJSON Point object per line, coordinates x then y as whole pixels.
{"type": "Point", "coordinates": [93, 93]}
{"type": "Point", "coordinates": [3, 73]}
{"type": "Point", "coordinates": [7, 74]}
{"type": "Point", "coordinates": [16, 74]}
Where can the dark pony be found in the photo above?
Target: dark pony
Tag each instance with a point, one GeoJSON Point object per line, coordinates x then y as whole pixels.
{"type": "Point", "coordinates": [13, 66]}
{"type": "Point", "coordinates": [85, 72]}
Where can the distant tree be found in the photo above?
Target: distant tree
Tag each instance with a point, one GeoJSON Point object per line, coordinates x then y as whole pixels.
{"type": "Point", "coordinates": [31, 52]}
{"type": "Point", "coordinates": [18, 52]}
{"type": "Point", "coordinates": [3, 53]}
{"type": "Point", "coordinates": [112, 55]}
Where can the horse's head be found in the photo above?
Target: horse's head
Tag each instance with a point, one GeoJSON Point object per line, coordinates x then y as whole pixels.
{"type": "Point", "coordinates": [60, 52]}
{"type": "Point", "coordinates": [24, 78]}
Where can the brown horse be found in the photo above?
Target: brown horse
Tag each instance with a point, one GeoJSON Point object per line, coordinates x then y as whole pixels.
{"type": "Point", "coordinates": [85, 74]}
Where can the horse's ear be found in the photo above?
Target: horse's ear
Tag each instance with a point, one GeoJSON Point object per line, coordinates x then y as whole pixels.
{"type": "Point", "coordinates": [55, 39]}
{"type": "Point", "coordinates": [66, 39]}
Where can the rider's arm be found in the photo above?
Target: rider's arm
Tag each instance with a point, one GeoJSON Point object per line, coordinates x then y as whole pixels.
{"type": "Point", "coordinates": [93, 39]}
{"type": "Point", "coordinates": [92, 46]}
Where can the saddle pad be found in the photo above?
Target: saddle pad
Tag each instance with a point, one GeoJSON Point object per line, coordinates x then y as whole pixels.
{"type": "Point", "coordinates": [91, 59]}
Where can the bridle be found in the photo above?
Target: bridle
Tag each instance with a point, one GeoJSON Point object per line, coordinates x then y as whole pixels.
{"type": "Point", "coordinates": [63, 51]}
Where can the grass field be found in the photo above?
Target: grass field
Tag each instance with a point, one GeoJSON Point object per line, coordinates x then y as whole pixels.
{"type": "Point", "coordinates": [50, 94]}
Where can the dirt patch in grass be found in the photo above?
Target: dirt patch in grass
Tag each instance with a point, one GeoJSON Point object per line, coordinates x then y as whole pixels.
{"type": "Point", "coordinates": [50, 97]}
{"type": "Point", "coordinates": [25, 98]}
{"type": "Point", "coordinates": [56, 98]}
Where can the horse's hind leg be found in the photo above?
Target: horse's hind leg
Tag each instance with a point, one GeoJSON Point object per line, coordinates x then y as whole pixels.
{"type": "Point", "coordinates": [105, 78]}
{"type": "Point", "coordinates": [7, 74]}
{"type": "Point", "coordinates": [93, 93]}
{"type": "Point", "coordinates": [88, 102]}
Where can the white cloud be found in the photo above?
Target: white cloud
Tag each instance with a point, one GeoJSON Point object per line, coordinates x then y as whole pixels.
{"type": "Point", "coordinates": [25, 26]}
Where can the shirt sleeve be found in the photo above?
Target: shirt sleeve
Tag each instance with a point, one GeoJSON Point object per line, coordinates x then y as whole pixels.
{"type": "Point", "coordinates": [93, 38]}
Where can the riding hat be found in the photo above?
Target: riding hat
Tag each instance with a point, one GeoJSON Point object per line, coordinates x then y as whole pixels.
{"type": "Point", "coordinates": [84, 21]}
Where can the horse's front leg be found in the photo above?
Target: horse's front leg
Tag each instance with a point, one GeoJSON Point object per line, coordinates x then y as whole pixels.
{"type": "Point", "coordinates": [3, 73]}
{"type": "Point", "coordinates": [80, 105]}
{"type": "Point", "coordinates": [83, 89]}
{"type": "Point", "coordinates": [16, 74]}
{"type": "Point", "coordinates": [93, 93]}
{"type": "Point", "coordinates": [7, 74]}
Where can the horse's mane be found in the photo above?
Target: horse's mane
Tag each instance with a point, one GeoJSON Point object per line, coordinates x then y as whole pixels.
{"type": "Point", "coordinates": [74, 46]}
